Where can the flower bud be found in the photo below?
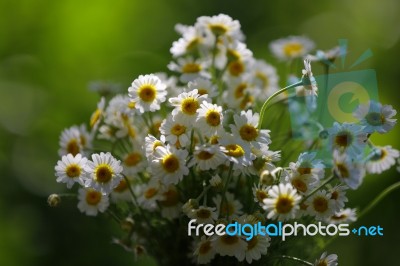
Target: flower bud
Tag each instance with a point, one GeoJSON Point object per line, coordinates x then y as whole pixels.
{"type": "Point", "coordinates": [54, 200]}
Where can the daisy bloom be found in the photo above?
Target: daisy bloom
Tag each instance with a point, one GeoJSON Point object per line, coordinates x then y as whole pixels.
{"type": "Point", "coordinates": [347, 138]}
{"type": "Point", "coordinates": [204, 251]}
{"type": "Point", "coordinates": [170, 205]}
{"type": "Point", "coordinates": [307, 164]}
{"type": "Point", "coordinates": [149, 194]}
{"type": "Point", "coordinates": [104, 172]}
{"type": "Point", "coordinates": [321, 205]}
{"type": "Point", "coordinates": [203, 87]}
{"type": "Point", "coordinates": [210, 117]}
{"type": "Point", "coordinates": [260, 192]}
{"type": "Point", "coordinates": [343, 216]}
{"type": "Point", "coordinates": [291, 47]}
{"type": "Point", "coordinates": [191, 41]}
{"type": "Point", "coordinates": [220, 26]}
{"type": "Point", "coordinates": [338, 195]}
{"type": "Point", "coordinates": [239, 93]}
{"type": "Point", "coordinates": [327, 57]}
{"type": "Point", "coordinates": [187, 104]}
{"type": "Point", "coordinates": [147, 92]}
{"type": "Point", "coordinates": [230, 206]}
{"type": "Point", "coordinates": [190, 68]}
{"type": "Point", "coordinates": [264, 78]}
{"type": "Point", "coordinates": [175, 131]}
{"type": "Point", "coordinates": [246, 128]}
{"type": "Point", "coordinates": [327, 260]}
{"type": "Point", "coordinates": [92, 201]}
{"type": "Point", "coordinates": [98, 114]}
{"type": "Point", "coordinates": [151, 143]}
{"type": "Point", "coordinates": [70, 169]}
{"type": "Point", "coordinates": [208, 157]}
{"type": "Point", "coordinates": [134, 161]}
{"type": "Point", "coordinates": [309, 82]}
{"type": "Point", "coordinates": [121, 191]}
{"type": "Point", "coordinates": [203, 215]}
{"type": "Point", "coordinates": [256, 247]}
{"type": "Point", "coordinates": [240, 60]}
{"type": "Point", "coordinates": [376, 117]}
{"type": "Point", "coordinates": [70, 141]}
{"type": "Point", "coordinates": [216, 181]}
{"type": "Point", "coordinates": [282, 203]}
{"type": "Point", "coordinates": [226, 245]}
{"type": "Point", "coordinates": [382, 159]}
{"type": "Point", "coordinates": [349, 172]}
{"type": "Point", "coordinates": [169, 164]}
{"type": "Point", "coordinates": [303, 183]}
{"type": "Point", "coordinates": [237, 151]}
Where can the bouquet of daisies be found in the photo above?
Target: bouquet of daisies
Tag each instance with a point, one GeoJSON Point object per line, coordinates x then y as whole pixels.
{"type": "Point", "coordinates": [195, 146]}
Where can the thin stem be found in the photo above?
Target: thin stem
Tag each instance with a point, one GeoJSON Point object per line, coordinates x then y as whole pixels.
{"type": "Point", "coordinates": [295, 259]}
{"type": "Point", "coordinates": [328, 180]}
{"type": "Point", "coordinates": [228, 179]}
{"type": "Point", "coordinates": [264, 106]}
{"type": "Point", "coordinates": [379, 198]}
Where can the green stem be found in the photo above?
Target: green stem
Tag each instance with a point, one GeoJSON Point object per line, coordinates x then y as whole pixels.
{"type": "Point", "coordinates": [379, 198]}
{"type": "Point", "coordinates": [264, 106]}
{"type": "Point", "coordinates": [228, 179]}
{"type": "Point", "coordinates": [328, 180]}
{"type": "Point", "coordinates": [295, 259]}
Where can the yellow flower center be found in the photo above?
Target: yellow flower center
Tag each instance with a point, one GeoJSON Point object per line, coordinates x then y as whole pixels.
{"type": "Point", "coordinates": [156, 144]}
{"type": "Point", "coordinates": [252, 243]}
{"type": "Point", "coordinates": [236, 68]}
{"type": "Point", "coordinates": [122, 186]}
{"type": "Point", "coordinates": [189, 106]}
{"type": "Point", "coordinates": [147, 93]}
{"type": "Point", "coordinates": [320, 204]}
{"type": "Point", "coordinates": [95, 117]}
{"type": "Point", "coordinates": [131, 105]}
{"type": "Point", "coordinates": [322, 263]}
{"type": "Point", "coordinates": [239, 91]}
{"type": "Point", "coordinates": [203, 213]}
{"type": "Point", "coordinates": [205, 248]}
{"type": "Point", "coordinates": [375, 119]}
{"type": "Point", "coordinates": [132, 159]}
{"type": "Point", "coordinates": [192, 44]}
{"type": "Point", "coordinates": [284, 204]}
{"type": "Point", "coordinates": [227, 209]}
{"type": "Point", "coordinates": [213, 118]}
{"type": "Point", "coordinates": [170, 163]}
{"type": "Point", "coordinates": [233, 54]}
{"type": "Point", "coordinates": [73, 170]}
{"type": "Point", "coordinates": [103, 173]}
{"type": "Point", "coordinates": [191, 68]}
{"type": "Point", "coordinates": [73, 147]}
{"type": "Point", "coordinates": [343, 139]}
{"type": "Point", "coordinates": [234, 150]}
{"type": "Point", "coordinates": [204, 155]}
{"type": "Point", "coordinates": [299, 184]}
{"type": "Point", "coordinates": [261, 195]}
{"type": "Point", "coordinates": [248, 132]}
{"type": "Point", "coordinates": [93, 197]}
{"type": "Point", "coordinates": [149, 193]}
{"type": "Point", "coordinates": [229, 240]}
{"type": "Point", "coordinates": [171, 198]}
{"type": "Point", "coordinates": [214, 140]}
{"type": "Point", "coordinates": [292, 49]}
{"type": "Point", "coordinates": [178, 129]}
{"type": "Point", "coordinates": [202, 91]}
{"type": "Point", "coordinates": [263, 78]}
{"type": "Point", "coordinates": [343, 171]}
{"type": "Point", "coordinates": [218, 29]}
{"type": "Point", "coordinates": [335, 195]}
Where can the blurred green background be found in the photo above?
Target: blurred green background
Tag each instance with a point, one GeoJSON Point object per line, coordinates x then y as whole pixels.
{"type": "Point", "coordinates": [51, 50]}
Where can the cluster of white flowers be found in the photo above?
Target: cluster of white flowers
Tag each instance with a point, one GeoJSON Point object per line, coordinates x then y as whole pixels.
{"type": "Point", "coordinates": [193, 147]}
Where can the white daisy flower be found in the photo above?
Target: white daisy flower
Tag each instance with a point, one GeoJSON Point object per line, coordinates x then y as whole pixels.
{"type": "Point", "coordinates": [203, 215]}
{"type": "Point", "coordinates": [220, 26]}
{"type": "Point", "coordinates": [230, 207]}
{"type": "Point", "coordinates": [70, 141]}
{"type": "Point", "coordinates": [240, 60]}
{"type": "Point", "coordinates": [151, 143]}
{"type": "Point", "coordinates": [327, 260]}
{"type": "Point", "coordinates": [376, 117]}
{"type": "Point", "coordinates": [237, 152]}
{"type": "Point", "coordinates": [291, 47]}
{"type": "Point", "coordinates": [192, 40]}
{"type": "Point", "coordinates": [227, 245]}
{"type": "Point", "coordinates": [187, 104]}
{"type": "Point", "coordinates": [264, 78]}
{"type": "Point", "coordinates": [282, 203]}
{"type": "Point", "coordinates": [134, 161]}
{"type": "Point", "coordinates": [104, 172]}
{"type": "Point", "coordinates": [349, 172]}
{"type": "Point", "coordinates": [383, 158]}
{"type": "Point", "coordinates": [338, 195]}
{"type": "Point", "coordinates": [303, 183]}
{"type": "Point", "coordinates": [190, 68]}
{"type": "Point", "coordinates": [70, 169]}
{"type": "Point", "coordinates": [121, 191]}
{"type": "Point", "coordinates": [175, 131]}
{"type": "Point", "coordinates": [204, 251]}
{"type": "Point", "coordinates": [208, 157]}
{"type": "Point", "coordinates": [307, 164]}
{"type": "Point", "coordinates": [149, 194]}
{"type": "Point", "coordinates": [203, 87]}
{"type": "Point", "coordinates": [92, 201]}
{"type": "Point", "coordinates": [347, 138]}
{"type": "Point", "coordinates": [170, 205]}
{"type": "Point", "coordinates": [169, 164]}
{"type": "Point", "coordinates": [209, 120]}
{"type": "Point", "coordinates": [343, 216]}
{"type": "Point", "coordinates": [246, 128]}
{"type": "Point", "coordinates": [257, 246]}
{"type": "Point", "coordinates": [309, 82]}
{"type": "Point", "coordinates": [327, 57]}
{"type": "Point", "coordinates": [239, 94]}
{"type": "Point", "coordinates": [216, 181]}
{"type": "Point", "coordinates": [96, 117]}
{"type": "Point", "coordinates": [147, 92]}
{"type": "Point", "coordinates": [321, 205]}
{"type": "Point", "coordinates": [260, 192]}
